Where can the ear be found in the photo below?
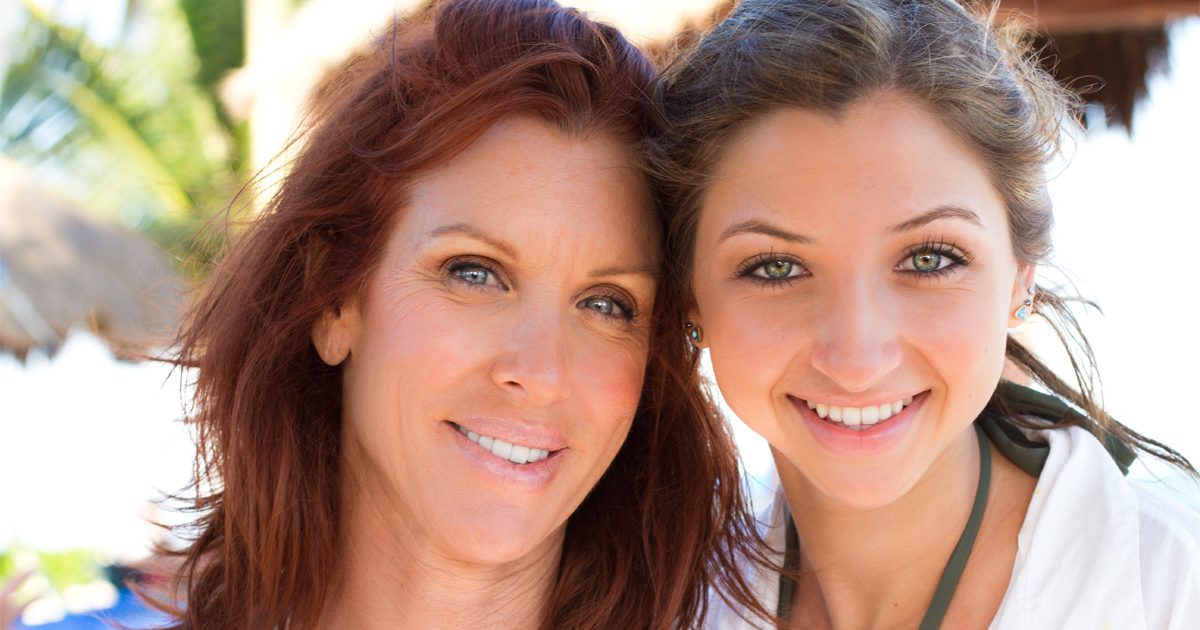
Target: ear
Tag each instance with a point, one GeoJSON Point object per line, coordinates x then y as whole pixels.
{"type": "Point", "coordinates": [1024, 283]}
{"type": "Point", "coordinates": [334, 332]}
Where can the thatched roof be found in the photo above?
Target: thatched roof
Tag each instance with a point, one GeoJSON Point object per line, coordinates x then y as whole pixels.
{"type": "Point", "coordinates": [1109, 68]}
{"type": "Point", "coordinates": [61, 268]}
{"type": "Point", "coordinates": [1104, 49]}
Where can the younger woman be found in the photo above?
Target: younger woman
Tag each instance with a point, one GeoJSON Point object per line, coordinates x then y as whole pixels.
{"type": "Point", "coordinates": [858, 205]}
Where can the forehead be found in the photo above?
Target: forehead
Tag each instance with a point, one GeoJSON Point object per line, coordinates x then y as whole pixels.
{"type": "Point", "coordinates": [525, 179]}
{"type": "Point", "coordinates": [883, 159]}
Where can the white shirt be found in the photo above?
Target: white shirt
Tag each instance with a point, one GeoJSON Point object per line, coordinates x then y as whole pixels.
{"type": "Point", "coordinates": [1096, 550]}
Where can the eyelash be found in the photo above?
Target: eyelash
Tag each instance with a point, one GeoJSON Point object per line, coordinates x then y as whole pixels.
{"type": "Point", "coordinates": [454, 266]}
{"type": "Point", "coordinates": [939, 247]}
{"type": "Point", "coordinates": [748, 268]}
{"type": "Point", "coordinates": [628, 313]}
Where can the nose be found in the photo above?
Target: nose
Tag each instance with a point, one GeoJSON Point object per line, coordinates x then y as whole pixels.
{"type": "Point", "coordinates": [533, 362]}
{"type": "Point", "coordinates": [857, 343]}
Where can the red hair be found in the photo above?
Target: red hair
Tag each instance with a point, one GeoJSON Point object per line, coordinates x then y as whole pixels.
{"type": "Point", "coordinates": [666, 521]}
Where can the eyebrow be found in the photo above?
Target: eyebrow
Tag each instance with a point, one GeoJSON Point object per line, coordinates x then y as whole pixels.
{"type": "Point", "coordinates": [757, 226]}
{"type": "Point", "coordinates": [940, 212]}
{"type": "Point", "coordinates": [462, 229]}
{"type": "Point", "coordinates": [625, 271]}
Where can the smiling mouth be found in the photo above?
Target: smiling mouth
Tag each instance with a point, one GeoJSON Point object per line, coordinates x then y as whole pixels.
{"type": "Point", "coordinates": [515, 453]}
{"type": "Point", "coordinates": [858, 418]}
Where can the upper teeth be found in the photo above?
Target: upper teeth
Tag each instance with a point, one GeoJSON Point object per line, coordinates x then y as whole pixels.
{"type": "Point", "coordinates": [515, 453]}
{"type": "Point", "coordinates": [859, 416]}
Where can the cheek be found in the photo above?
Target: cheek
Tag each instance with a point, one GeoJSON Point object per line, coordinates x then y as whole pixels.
{"type": "Point", "coordinates": [404, 332]}
{"type": "Point", "coordinates": [962, 336]}
{"type": "Point", "coordinates": [420, 323]}
{"type": "Point", "coordinates": [752, 343]}
{"type": "Point", "coordinates": [408, 331]}
{"type": "Point", "coordinates": [609, 376]}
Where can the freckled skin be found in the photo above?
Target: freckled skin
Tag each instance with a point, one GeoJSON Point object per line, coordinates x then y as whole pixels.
{"type": "Point", "coordinates": [859, 322]}
{"type": "Point", "coordinates": [494, 320]}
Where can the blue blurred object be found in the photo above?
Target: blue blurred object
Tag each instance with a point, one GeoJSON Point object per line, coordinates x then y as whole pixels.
{"type": "Point", "coordinates": [128, 612]}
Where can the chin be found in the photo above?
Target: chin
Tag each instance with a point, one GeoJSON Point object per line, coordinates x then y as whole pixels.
{"type": "Point", "coordinates": [864, 490]}
{"type": "Point", "coordinates": [499, 535]}
{"type": "Point", "coordinates": [867, 499]}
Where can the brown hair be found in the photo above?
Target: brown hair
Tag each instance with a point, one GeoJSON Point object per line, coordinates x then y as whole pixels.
{"type": "Point", "coordinates": [664, 524]}
{"type": "Point", "coordinates": [981, 80]}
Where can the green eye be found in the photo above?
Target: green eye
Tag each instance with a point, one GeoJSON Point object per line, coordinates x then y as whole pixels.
{"type": "Point", "coordinates": [776, 269]}
{"type": "Point", "coordinates": [927, 262]}
{"type": "Point", "coordinates": [772, 269]}
{"type": "Point", "coordinates": [933, 259]}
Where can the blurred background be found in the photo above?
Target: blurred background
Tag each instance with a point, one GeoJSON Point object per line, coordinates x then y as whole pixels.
{"type": "Point", "coordinates": [126, 126]}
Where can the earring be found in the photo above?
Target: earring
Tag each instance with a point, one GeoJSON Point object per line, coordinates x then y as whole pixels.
{"type": "Point", "coordinates": [1022, 313]}
{"type": "Point", "coordinates": [694, 334]}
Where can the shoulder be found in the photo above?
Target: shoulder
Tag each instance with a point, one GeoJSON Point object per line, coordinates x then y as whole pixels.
{"type": "Point", "coordinates": [1168, 529]}
{"type": "Point", "coordinates": [1169, 546]}
{"type": "Point", "coordinates": [1097, 548]}
{"type": "Point", "coordinates": [1168, 525]}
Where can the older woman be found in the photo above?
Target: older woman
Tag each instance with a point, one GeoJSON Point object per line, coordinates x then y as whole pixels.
{"type": "Point", "coordinates": [857, 201]}
{"type": "Point", "coordinates": [436, 388]}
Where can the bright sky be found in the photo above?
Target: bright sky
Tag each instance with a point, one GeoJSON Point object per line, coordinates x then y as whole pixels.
{"type": "Point", "coordinates": [1128, 221]}
{"type": "Point", "coordinates": [86, 441]}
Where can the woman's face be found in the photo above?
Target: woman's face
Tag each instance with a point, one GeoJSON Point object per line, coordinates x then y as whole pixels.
{"type": "Point", "coordinates": [860, 265]}
{"type": "Point", "coordinates": [497, 353]}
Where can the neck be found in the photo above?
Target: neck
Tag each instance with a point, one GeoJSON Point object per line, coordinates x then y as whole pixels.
{"type": "Point", "coordinates": [390, 576]}
{"type": "Point", "coordinates": [850, 558]}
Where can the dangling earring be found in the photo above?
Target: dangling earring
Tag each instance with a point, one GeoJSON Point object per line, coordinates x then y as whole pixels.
{"type": "Point", "coordinates": [1022, 313]}
{"type": "Point", "coordinates": [694, 334]}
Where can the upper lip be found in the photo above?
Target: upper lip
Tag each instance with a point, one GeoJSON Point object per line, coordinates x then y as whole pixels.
{"type": "Point", "coordinates": [515, 431]}
{"type": "Point", "coordinates": [842, 401]}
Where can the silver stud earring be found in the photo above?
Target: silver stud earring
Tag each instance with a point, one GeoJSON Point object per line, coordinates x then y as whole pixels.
{"type": "Point", "coordinates": [694, 334]}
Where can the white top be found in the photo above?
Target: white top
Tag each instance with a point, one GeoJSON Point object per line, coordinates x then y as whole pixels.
{"type": "Point", "coordinates": [1096, 550]}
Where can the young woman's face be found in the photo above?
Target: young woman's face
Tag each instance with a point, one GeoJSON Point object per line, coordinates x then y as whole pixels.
{"type": "Point", "coordinates": [498, 351]}
{"type": "Point", "coordinates": [854, 280]}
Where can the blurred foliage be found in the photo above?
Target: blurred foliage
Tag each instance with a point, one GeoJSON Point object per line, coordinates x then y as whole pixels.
{"type": "Point", "coordinates": [61, 568]}
{"type": "Point", "coordinates": [8, 566]}
{"type": "Point", "coordinates": [132, 129]}
{"type": "Point", "coordinates": [218, 32]}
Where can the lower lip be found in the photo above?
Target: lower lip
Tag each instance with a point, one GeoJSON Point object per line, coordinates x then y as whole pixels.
{"type": "Point", "coordinates": [871, 442]}
{"type": "Point", "coordinates": [533, 476]}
